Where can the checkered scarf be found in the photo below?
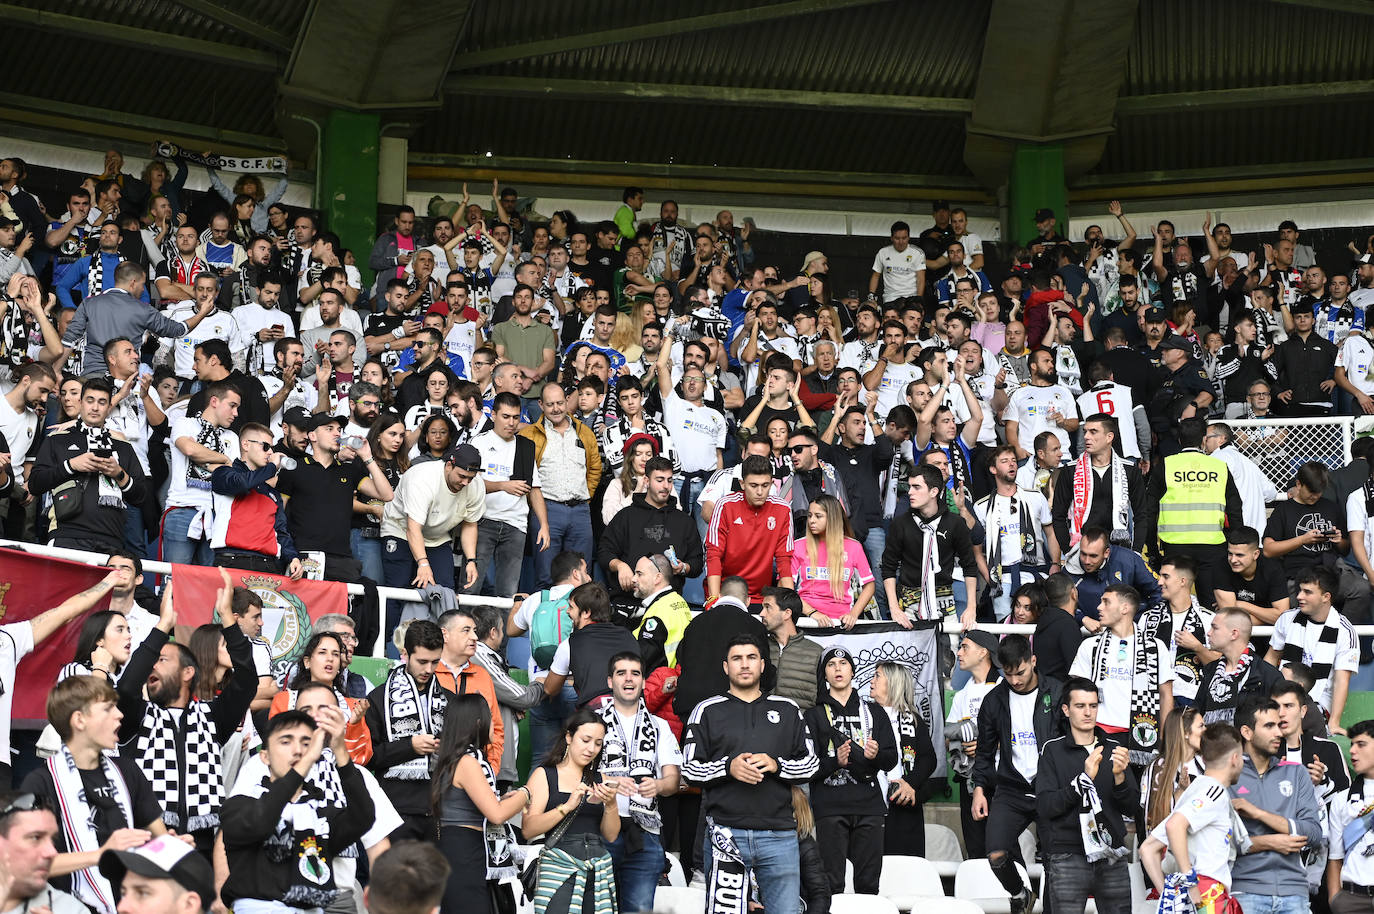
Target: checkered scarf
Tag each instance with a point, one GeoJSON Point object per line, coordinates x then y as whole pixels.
{"type": "Point", "coordinates": [1158, 622]}
{"type": "Point", "coordinates": [299, 840]}
{"type": "Point", "coordinates": [1321, 657]}
{"type": "Point", "coordinates": [14, 333]}
{"type": "Point", "coordinates": [426, 297]}
{"type": "Point", "coordinates": [208, 436]}
{"type": "Point", "coordinates": [98, 439]}
{"type": "Point", "coordinates": [95, 273]}
{"type": "Point", "coordinates": [404, 715]}
{"type": "Point", "coordinates": [1143, 734]}
{"type": "Point", "coordinates": [180, 755]}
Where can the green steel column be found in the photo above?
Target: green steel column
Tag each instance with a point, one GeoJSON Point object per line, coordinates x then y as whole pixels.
{"type": "Point", "coordinates": [349, 150]}
{"type": "Point", "coordinates": [1037, 180]}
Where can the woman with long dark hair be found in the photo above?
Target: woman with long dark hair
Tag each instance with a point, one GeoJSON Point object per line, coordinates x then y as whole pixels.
{"type": "Point", "coordinates": [322, 662]}
{"type": "Point", "coordinates": [566, 786]}
{"type": "Point", "coordinates": [387, 439]}
{"type": "Point", "coordinates": [102, 648]}
{"type": "Point", "coordinates": [473, 834]}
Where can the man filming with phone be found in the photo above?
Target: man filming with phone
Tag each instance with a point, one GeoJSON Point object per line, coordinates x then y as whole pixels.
{"type": "Point", "coordinates": [93, 476]}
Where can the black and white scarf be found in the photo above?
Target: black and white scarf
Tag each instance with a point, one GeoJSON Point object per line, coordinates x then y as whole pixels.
{"type": "Point", "coordinates": [78, 823]}
{"type": "Point", "coordinates": [98, 439]}
{"type": "Point", "coordinates": [1099, 840]}
{"type": "Point", "coordinates": [95, 273]}
{"type": "Point", "coordinates": [409, 711]}
{"type": "Point", "coordinates": [180, 755]}
{"type": "Point", "coordinates": [208, 436]}
{"type": "Point", "coordinates": [1320, 657]}
{"type": "Point", "coordinates": [323, 776]}
{"type": "Point", "coordinates": [1223, 692]}
{"type": "Point", "coordinates": [1158, 622]}
{"type": "Point", "coordinates": [932, 602]}
{"type": "Point", "coordinates": [1142, 734]}
{"type": "Point", "coordinates": [300, 841]}
{"type": "Point", "coordinates": [498, 838]}
{"type": "Point", "coordinates": [426, 296]}
{"type": "Point", "coordinates": [842, 730]}
{"type": "Point", "coordinates": [999, 511]}
{"type": "Point", "coordinates": [248, 285]}
{"type": "Point", "coordinates": [728, 885]}
{"type": "Point", "coordinates": [14, 333]}
{"type": "Point", "coordinates": [633, 755]}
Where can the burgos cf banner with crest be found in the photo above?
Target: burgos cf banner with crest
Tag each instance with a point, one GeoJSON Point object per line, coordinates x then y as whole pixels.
{"type": "Point", "coordinates": [914, 648]}
{"type": "Point", "coordinates": [289, 608]}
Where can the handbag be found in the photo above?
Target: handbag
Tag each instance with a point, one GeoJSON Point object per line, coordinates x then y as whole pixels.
{"type": "Point", "coordinates": [68, 499]}
{"type": "Point", "coordinates": [529, 879]}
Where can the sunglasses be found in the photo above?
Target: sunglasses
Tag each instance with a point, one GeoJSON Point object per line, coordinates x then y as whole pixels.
{"type": "Point", "coordinates": [800, 448]}
{"type": "Point", "coordinates": [24, 802]}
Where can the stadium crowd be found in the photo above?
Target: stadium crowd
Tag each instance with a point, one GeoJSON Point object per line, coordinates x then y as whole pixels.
{"type": "Point", "coordinates": [617, 421]}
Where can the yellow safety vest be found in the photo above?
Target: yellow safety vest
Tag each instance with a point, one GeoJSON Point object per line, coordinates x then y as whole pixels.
{"type": "Point", "coordinates": [1193, 509]}
{"type": "Point", "coordinates": [672, 612]}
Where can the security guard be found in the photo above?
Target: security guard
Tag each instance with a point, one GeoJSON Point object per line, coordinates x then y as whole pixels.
{"type": "Point", "coordinates": [1184, 391]}
{"type": "Point", "coordinates": [666, 613]}
{"type": "Point", "coordinates": [1191, 500]}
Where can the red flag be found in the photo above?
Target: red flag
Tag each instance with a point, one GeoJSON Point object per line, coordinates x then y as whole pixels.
{"type": "Point", "coordinates": [289, 608]}
{"type": "Point", "coordinates": [30, 585]}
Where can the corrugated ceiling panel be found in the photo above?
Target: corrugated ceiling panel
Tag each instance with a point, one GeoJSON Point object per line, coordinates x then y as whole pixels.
{"type": "Point", "coordinates": [1187, 46]}
{"type": "Point", "coordinates": [885, 48]}
{"type": "Point", "coordinates": [696, 135]}
{"type": "Point", "coordinates": [182, 90]}
{"type": "Point", "coordinates": [178, 20]}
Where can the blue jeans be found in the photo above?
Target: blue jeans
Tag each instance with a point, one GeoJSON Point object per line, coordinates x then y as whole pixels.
{"type": "Point", "coordinates": [688, 491]}
{"type": "Point", "coordinates": [874, 544]}
{"type": "Point", "coordinates": [636, 875]}
{"type": "Point", "coordinates": [176, 547]}
{"type": "Point", "coordinates": [1271, 904]}
{"type": "Point", "coordinates": [1070, 879]}
{"type": "Point", "coordinates": [368, 551]}
{"type": "Point", "coordinates": [500, 550]}
{"type": "Point", "coordinates": [772, 857]}
{"type": "Point", "coordinates": [135, 536]}
{"type": "Point", "coordinates": [546, 722]}
{"type": "Point", "coordinates": [570, 529]}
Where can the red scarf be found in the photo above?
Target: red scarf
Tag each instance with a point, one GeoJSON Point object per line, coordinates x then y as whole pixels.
{"type": "Point", "coordinates": [187, 275]}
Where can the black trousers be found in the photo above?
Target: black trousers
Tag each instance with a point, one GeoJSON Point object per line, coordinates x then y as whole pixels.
{"type": "Point", "coordinates": [415, 827]}
{"type": "Point", "coordinates": [466, 853]}
{"type": "Point", "coordinates": [975, 831]}
{"type": "Point", "coordinates": [247, 561]}
{"type": "Point", "coordinates": [904, 832]}
{"type": "Point", "coordinates": [1010, 812]}
{"type": "Point", "coordinates": [855, 838]}
{"type": "Point", "coordinates": [1211, 565]}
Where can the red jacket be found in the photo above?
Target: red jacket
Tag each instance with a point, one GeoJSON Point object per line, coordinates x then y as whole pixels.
{"type": "Point", "coordinates": [659, 702]}
{"type": "Point", "coordinates": [748, 541]}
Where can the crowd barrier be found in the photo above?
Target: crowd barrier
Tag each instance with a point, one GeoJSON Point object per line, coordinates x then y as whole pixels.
{"type": "Point", "coordinates": [1279, 446]}
{"type": "Point", "coordinates": [410, 595]}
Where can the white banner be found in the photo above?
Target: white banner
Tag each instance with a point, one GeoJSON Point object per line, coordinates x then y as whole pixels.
{"type": "Point", "coordinates": [916, 649]}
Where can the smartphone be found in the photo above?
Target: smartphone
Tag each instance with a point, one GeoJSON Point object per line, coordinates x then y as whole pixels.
{"type": "Point", "coordinates": [278, 328]}
{"type": "Point", "coordinates": [103, 453]}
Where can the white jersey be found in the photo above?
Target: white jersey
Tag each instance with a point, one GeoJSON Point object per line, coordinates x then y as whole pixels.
{"type": "Point", "coordinates": [1030, 407]}
{"type": "Point", "coordinates": [1114, 400]}
{"type": "Point", "coordinates": [1356, 356]}
{"type": "Point", "coordinates": [898, 270]}
{"type": "Point", "coordinates": [1215, 835]}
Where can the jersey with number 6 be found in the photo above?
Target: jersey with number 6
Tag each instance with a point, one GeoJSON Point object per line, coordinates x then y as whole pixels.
{"type": "Point", "coordinates": [1115, 400]}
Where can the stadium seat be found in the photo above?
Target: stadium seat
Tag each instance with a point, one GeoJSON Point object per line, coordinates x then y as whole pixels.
{"type": "Point", "coordinates": [1028, 844]}
{"type": "Point", "coordinates": [679, 900]}
{"type": "Point", "coordinates": [909, 882]}
{"type": "Point", "coordinates": [943, 849]}
{"type": "Point", "coordinates": [975, 882]}
{"type": "Point", "coordinates": [676, 877]}
{"type": "Point", "coordinates": [1358, 706]}
{"type": "Point", "coordinates": [850, 903]}
{"type": "Point", "coordinates": [944, 905]}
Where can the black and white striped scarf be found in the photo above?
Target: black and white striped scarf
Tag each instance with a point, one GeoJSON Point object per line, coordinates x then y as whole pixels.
{"type": "Point", "coordinates": [1142, 735]}
{"type": "Point", "coordinates": [98, 439]}
{"type": "Point", "coordinates": [14, 333]}
{"type": "Point", "coordinates": [1099, 840]}
{"type": "Point", "coordinates": [95, 273]}
{"type": "Point", "coordinates": [180, 755]}
{"type": "Point", "coordinates": [633, 755]}
{"type": "Point", "coordinates": [1320, 657]}
{"type": "Point", "coordinates": [426, 297]}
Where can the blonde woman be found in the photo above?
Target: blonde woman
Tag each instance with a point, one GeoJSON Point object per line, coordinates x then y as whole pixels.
{"type": "Point", "coordinates": [828, 564]}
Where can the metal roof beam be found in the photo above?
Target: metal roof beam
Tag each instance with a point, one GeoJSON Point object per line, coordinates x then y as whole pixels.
{"type": "Point", "coordinates": [602, 90]}
{"type": "Point", "coordinates": [470, 60]}
{"type": "Point", "coordinates": [1351, 7]}
{"type": "Point", "coordinates": [239, 23]}
{"type": "Point", "coordinates": [43, 112]}
{"type": "Point", "coordinates": [1250, 97]}
{"type": "Point", "coordinates": [143, 39]}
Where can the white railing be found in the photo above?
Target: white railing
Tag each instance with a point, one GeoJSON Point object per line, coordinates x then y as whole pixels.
{"type": "Point", "coordinates": [1279, 446]}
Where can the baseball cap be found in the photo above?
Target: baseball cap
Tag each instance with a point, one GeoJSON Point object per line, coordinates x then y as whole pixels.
{"type": "Point", "coordinates": [9, 223]}
{"type": "Point", "coordinates": [164, 857]}
{"type": "Point", "coordinates": [464, 457]}
{"type": "Point", "coordinates": [1365, 258]}
{"type": "Point", "coordinates": [320, 420]}
{"type": "Point", "coordinates": [299, 417]}
{"type": "Point", "coordinates": [812, 256]}
{"type": "Point", "coordinates": [984, 639]}
{"type": "Point", "coordinates": [938, 205]}
{"type": "Point", "coordinates": [1044, 213]}
{"type": "Point", "coordinates": [854, 294]}
{"type": "Point", "coordinates": [1174, 341]}
{"type": "Point", "coordinates": [1155, 316]}
{"type": "Point", "coordinates": [439, 307]}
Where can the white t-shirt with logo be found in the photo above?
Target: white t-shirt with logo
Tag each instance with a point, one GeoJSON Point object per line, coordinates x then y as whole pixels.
{"type": "Point", "coordinates": [892, 386]}
{"type": "Point", "coordinates": [1030, 407]}
{"type": "Point", "coordinates": [1356, 356]}
{"type": "Point", "coordinates": [898, 270]}
{"type": "Point", "coordinates": [498, 465]}
{"type": "Point", "coordinates": [696, 430]}
{"type": "Point", "coordinates": [1025, 752]}
{"type": "Point", "coordinates": [1114, 710]}
{"type": "Point", "coordinates": [1008, 521]}
{"type": "Point", "coordinates": [1206, 804]}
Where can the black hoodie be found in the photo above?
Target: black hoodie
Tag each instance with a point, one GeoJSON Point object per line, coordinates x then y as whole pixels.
{"type": "Point", "coordinates": [851, 789]}
{"type": "Point", "coordinates": [640, 529]}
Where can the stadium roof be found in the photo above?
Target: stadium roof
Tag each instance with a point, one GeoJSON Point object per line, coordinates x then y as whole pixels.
{"type": "Point", "coordinates": [807, 97]}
